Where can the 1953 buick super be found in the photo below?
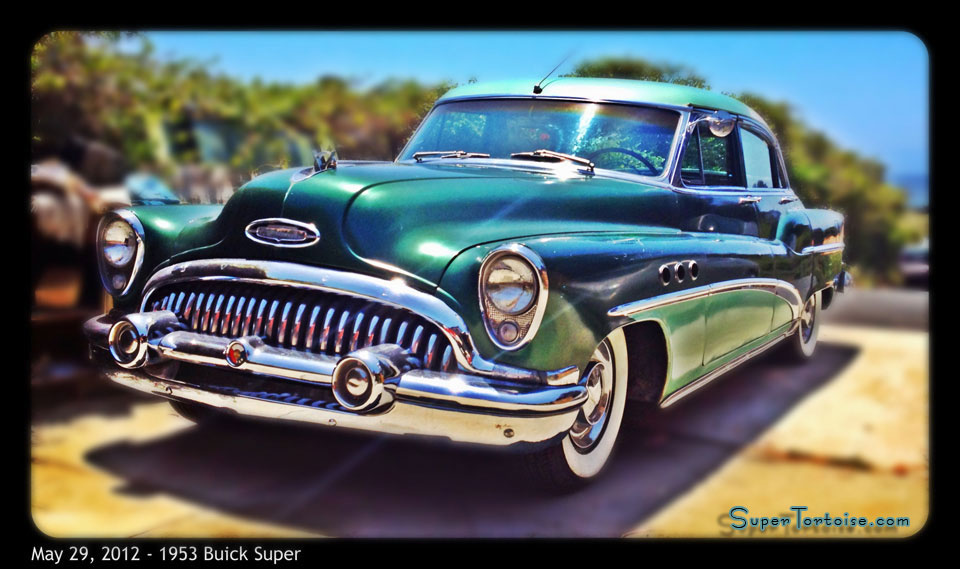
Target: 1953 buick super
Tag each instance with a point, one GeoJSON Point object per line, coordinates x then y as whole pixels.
{"type": "Point", "coordinates": [532, 259]}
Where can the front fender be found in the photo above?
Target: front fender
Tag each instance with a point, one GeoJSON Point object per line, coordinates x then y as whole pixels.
{"type": "Point", "coordinates": [168, 230]}
{"type": "Point", "coordinates": [591, 273]}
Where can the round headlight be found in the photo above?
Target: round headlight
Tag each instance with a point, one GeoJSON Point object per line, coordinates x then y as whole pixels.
{"type": "Point", "coordinates": [118, 243]}
{"type": "Point", "coordinates": [119, 250]}
{"type": "Point", "coordinates": [510, 284]}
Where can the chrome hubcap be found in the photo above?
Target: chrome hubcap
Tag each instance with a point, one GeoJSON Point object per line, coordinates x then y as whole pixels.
{"type": "Point", "coordinates": [589, 425]}
{"type": "Point", "coordinates": [806, 319]}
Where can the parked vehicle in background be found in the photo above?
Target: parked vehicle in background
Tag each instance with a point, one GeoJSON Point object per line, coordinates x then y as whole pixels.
{"type": "Point", "coordinates": [915, 264]}
{"type": "Point", "coordinates": [531, 260]}
{"type": "Point", "coordinates": [65, 210]}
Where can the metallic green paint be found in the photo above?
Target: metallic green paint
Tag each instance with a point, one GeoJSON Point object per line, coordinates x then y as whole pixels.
{"type": "Point", "coordinates": [602, 240]}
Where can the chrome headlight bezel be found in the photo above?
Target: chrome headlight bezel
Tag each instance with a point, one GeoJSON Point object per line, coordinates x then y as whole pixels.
{"type": "Point", "coordinates": [129, 271]}
{"type": "Point", "coordinates": [526, 320]}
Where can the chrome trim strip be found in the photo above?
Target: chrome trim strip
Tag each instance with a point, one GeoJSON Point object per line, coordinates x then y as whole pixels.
{"type": "Point", "coordinates": [823, 249]}
{"type": "Point", "coordinates": [539, 306]}
{"type": "Point", "coordinates": [262, 359]}
{"type": "Point", "coordinates": [313, 234]}
{"type": "Point", "coordinates": [780, 288]}
{"type": "Point", "coordinates": [390, 292]}
{"type": "Point", "coordinates": [417, 417]}
{"type": "Point", "coordinates": [710, 376]}
{"type": "Point", "coordinates": [475, 392]}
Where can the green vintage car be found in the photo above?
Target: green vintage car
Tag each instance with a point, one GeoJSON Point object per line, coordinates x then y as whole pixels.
{"type": "Point", "coordinates": [530, 261]}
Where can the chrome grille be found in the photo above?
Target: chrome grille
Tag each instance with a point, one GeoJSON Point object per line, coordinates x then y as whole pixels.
{"type": "Point", "coordinates": [302, 319]}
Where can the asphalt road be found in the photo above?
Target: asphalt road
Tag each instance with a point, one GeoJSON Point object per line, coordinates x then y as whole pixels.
{"type": "Point", "coordinates": [341, 484]}
{"type": "Point", "coordinates": [887, 307]}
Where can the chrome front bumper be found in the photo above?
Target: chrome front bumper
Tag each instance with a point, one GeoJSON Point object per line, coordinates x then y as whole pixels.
{"type": "Point", "coordinates": [293, 385]}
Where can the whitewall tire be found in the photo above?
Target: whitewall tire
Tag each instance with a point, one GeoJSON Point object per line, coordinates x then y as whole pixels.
{"type": "Point", "coordinates": [585, 450]}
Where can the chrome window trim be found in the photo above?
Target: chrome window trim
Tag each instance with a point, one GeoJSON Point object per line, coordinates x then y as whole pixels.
{"type": "Point", "coordinates": [761, 129]}
{"type": "Point", "coordinates": [780, 288]}
{"type": "Point", "coordinates": [539, 306]}
{"type": "Point", "coordinates": [134, 222]}
{"type": "Point", "coordinates": [391, 292]}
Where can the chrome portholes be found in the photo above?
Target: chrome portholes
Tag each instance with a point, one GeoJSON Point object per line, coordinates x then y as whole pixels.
{"type": "Point", "coordinates": [678, 272]}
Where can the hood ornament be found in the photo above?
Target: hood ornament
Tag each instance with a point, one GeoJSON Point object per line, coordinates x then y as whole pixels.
{"type": "Point", "coordinates": [281, 232]}
{"type": "Point", "coordinates": [324, 160]}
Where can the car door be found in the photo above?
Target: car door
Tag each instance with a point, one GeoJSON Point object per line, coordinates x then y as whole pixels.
{"type": "Point", "coordinates": [781, 217]}
{"type": "Point", "coordinates": [714, 200]}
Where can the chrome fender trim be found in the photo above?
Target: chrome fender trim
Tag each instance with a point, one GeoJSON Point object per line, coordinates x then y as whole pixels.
{"type": "Point", "coordinates": [777, 287]}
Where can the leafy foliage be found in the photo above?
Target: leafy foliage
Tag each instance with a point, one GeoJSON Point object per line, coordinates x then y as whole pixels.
{"type": "Point", "coordinates": [149, 110]}
{"type": "Point", "coordinates": [633, 68]}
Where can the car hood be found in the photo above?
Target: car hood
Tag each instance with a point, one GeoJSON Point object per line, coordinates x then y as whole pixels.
{"type": "Point", "coordinates": [412, 219]}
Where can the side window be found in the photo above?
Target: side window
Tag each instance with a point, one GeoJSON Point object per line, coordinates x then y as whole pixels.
{"type": "Point", "coordinates": [758, 161]}
{"type": "Point", "coordinates": [709, 160]}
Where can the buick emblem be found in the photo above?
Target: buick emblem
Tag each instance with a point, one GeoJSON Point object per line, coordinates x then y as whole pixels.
{"type": "Point", "coordinates": [280, 232]}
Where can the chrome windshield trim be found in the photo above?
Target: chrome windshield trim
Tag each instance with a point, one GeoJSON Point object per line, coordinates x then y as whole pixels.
{"type": "Point", "coordinates": [662, 178]}
{"type": "Point", "coordinates": [777, 287]}
{"type": "Point", "coordinates": [391, 292]}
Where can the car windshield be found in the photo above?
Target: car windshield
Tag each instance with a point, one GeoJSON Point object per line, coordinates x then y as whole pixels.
{"type": "Point", "coordinates": [626, 138]}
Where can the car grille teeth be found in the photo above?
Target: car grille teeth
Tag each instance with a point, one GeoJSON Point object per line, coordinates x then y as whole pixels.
{"type": "Point", "coordinates": [305, 320]}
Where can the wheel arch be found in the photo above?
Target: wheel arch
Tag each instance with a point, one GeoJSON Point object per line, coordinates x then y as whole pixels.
{"type": "Point", "coordinates": [648, 360]}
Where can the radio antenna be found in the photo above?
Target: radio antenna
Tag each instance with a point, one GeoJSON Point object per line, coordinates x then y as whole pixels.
{"type": "Point", "coordinates": [537, 89]}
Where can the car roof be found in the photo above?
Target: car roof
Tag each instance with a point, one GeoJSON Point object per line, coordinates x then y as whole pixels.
{"type": "Point", "coordinates": [621, 90]}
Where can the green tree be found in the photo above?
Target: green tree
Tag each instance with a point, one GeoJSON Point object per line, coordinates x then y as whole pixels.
{"type": "Point", "coordinates": [639, 69]}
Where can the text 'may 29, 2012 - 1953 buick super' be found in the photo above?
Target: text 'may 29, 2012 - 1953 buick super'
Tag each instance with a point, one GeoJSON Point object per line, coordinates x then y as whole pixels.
{"type": "Point", "coordinates": [530, 261]}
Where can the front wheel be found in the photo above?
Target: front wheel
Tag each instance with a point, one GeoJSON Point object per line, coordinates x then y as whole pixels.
{"type": "Point", "coordinates": [584, 451]}
{"type": "Point", "coordinates": [804, 342]}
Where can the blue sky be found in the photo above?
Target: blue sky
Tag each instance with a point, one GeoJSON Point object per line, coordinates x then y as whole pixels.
{"type": "Point", "coordinates": [867, 90]}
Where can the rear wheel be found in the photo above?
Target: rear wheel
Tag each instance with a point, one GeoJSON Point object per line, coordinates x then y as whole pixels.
{"type": "Point", "coordinates": [585, 450]}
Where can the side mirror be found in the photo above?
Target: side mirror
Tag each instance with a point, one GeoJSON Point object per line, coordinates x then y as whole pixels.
{"type": "Point", "coordinates": [721, 123]}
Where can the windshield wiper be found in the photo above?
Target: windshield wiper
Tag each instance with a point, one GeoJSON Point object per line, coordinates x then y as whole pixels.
{"type": "Point", "coordinates": [545, 155]}
{"type": "Point", "coordinates": [449, 154]}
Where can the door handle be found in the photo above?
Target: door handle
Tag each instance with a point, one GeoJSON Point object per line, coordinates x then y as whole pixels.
{"type": "Point", "coordinates": [788, 199]}
{"type": "Point", "coordinates": [749, 199]}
